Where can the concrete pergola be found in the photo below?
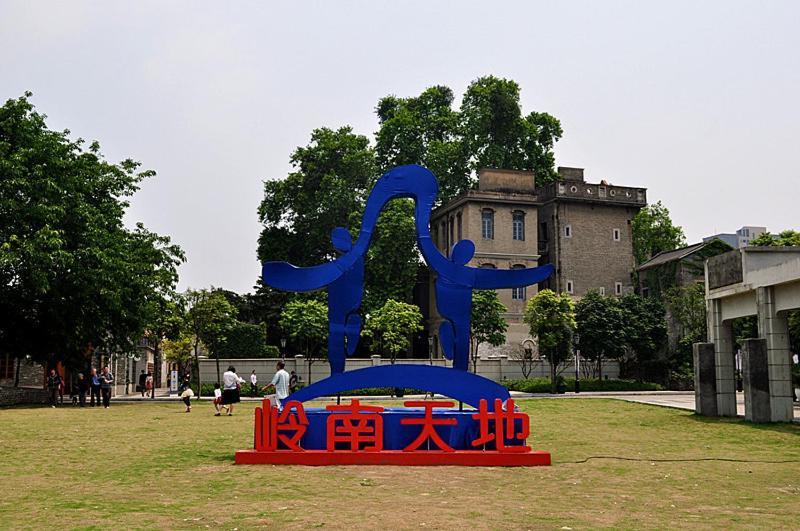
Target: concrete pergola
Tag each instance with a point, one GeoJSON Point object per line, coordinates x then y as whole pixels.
{"type": "Point", "coordinates": [760, 281]}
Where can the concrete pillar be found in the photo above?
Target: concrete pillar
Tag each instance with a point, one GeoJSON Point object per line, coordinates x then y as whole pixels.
{"type": "Point", "coordinates": [774, 328]}
{"type": "Point", "coordinates": [755, 376]}
{"type": "Point", "coordinates": [376, 360]}
{"type": "Point", "coordinates": [721, 335]}
{"type": "Point", "coordinates": [705, 379]}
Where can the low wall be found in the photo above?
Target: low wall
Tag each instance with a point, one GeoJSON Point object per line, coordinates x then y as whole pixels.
{"type": "Point", "coordinates": [11, 396]}
{"type": "Point", "coordinates": [495, 368]}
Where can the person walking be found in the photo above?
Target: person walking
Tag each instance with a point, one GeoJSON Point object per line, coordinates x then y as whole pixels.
{"type": "Point", "coordinates": [253, 383]}
{"type": "Point", "coordinates": [53, 387]}
{"type": "Point", "coordinates": [186, 396]}
{"type": "Point", "coordinates": [292, 382]}
{"type": "Point", "coordinates": [106, 379]}
{"type": "Point", "coordinates": [281, 383]}
{"type": "Point", "coordinates": [231, 384]}
{"type": "Point", "coordinates": [83, 388]}
{"type": "Point", "coordinates": [142, 383]}
{"type": "Point", "coordinates": [148, 385]}
{"type": "Point", "coordinates": [94, 383]}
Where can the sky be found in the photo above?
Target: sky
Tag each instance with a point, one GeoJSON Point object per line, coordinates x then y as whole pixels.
{"type": "Point", "coordinates": [699, 102]}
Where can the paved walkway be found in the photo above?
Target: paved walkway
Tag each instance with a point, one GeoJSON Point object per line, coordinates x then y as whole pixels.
{"type": "Point", "coordinates": [675, 399]}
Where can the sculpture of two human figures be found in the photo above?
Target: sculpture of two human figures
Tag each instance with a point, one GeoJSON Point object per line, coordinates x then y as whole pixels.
{"type": "Point", "coordinates": [344, 276]}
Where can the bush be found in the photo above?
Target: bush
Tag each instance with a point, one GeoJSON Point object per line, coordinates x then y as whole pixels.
{"type": "Point", "coordinates": [542, 385]}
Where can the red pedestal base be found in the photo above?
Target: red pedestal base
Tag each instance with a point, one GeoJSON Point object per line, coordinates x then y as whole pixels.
{"type": "Point", "coordinates": [392, 457]}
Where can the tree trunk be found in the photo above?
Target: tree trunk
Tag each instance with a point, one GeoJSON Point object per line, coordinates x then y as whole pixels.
{"type": "Point", "coordinates": [219, 378]}
{"type": "Point", "coordinates": [552, 377]}
{"type": "Point", "coordinates": [16, 375]}
{"type": "Point", "coordinates": [197, 368]}
{"type": "Point", "coordinates": [600, 367]}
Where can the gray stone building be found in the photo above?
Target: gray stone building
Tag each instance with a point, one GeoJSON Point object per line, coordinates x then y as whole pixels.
{"type": "Point", "coordinates": [583, 229]}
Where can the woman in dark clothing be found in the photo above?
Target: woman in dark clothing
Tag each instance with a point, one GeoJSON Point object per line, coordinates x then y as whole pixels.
{"type": "Point", "coordinates": [53, 386]}
{"type": "Point", "coordinates": [83, 388]}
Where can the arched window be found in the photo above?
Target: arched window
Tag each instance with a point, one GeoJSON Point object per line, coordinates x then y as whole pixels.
{"type": "Point", "coordinates": [518, 225]}
{"type": "Point", "coordinates": [487, 224]}
{"type": "Point", "coordinates": [487, 265]}
{"type": "Point", "coordinates": [518, 294]}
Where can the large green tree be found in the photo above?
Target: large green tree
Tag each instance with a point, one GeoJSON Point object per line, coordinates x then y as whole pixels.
{"type": "Point", "coordinates": [306, 323]}
{"type": "Point", "coordinates": [654, 232]}
{"type": "Point", "coordinates": [687, 305]}
{"type": "Point", "coordinates": [72, 276]}
{"type": "Point", "coordinates": [645, 327]}
{"type": "Point", "coordinates": [209, 318]}
{"type": "Point", "coordinates": [487, 322]}
{"type": "Point", "coordinates": [551, 318]}
{"type": "Point", "coordinates": [391, 327]}
{"type": "Point", "coordinates": [601, 325]}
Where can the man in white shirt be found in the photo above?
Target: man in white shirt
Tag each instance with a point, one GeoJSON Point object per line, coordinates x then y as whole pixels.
{"type": "Point", "coordinates": [281, 383]}
{"type": "Point", "coordinates": [253, 383]}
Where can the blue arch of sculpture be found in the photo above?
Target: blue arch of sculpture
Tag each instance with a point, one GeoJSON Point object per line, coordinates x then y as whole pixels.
{"type": "Point", "coordinates": [344, 276]}
{"type": "Point", "coordinates": [463, 386]}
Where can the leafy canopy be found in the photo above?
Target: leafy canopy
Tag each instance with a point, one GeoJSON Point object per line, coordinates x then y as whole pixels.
{"type": "Point", "coordinates": [654, 232]}
{"type": "Point", "coordinates": [392, 325]}
{"type": "Point", "coordinates": [72, 276]}
{"type": "Point", "coordinates": [306, 322]}
{"type": "Point", "coordinates": [487, 322]}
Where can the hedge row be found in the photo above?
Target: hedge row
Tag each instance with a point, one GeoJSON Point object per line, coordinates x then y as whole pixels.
{"type": "Point", "coordinates": [543, 385]}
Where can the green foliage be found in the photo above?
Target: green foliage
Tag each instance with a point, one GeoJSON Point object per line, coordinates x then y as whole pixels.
{"type": "Point", "coordinates": [787, 238]}
{"type": "Point", "coordinates": [71, 274]}
{"type": "Point", "coordinates": [392, 260]}
{"type": "Point", "coordinates": [551, 318]}
{"type": "Point", "coordinates": [391, 327]}
{"type": "Point", "coordinates": [600, 322]}
{"type": "Point", "coordinates": [245, 340]}
{"type": "Point", "coordinates": [178, 350]}
{"type": "Point", "coordinates": [543, 385]}
{"type": "Point", "coordinates": [645, 327]}
{"type": "Point", "coordinates": [331, 178]}
{"type": "Point", "coordinates": [687, 306]}
{"type": "Point", "coordinates": [488, 324]}
{"type": "Point", "coordinates": [653, 232]}
{"type": "Point", "coordinates": [306, 323]}
{"type": "Point", "coordinates": [210, 318]}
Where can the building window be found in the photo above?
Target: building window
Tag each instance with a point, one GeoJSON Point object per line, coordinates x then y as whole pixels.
{"type": "Point", "coordinates": [570, 287]}
{"type": "Point", "coordinates": [6, 367]}
{"type": "Point", "coordinates": [568, 231]}
{"type": "Point", "coordinates": [487, 265]}
{"type": "Point", "coordinates": [518, 294]}
{"type": "Point", "coordinates": [518, 225]}
{"type": "Point", "coordinates": [601, 290]}
{"type": "Point", "coordinates": [452, 233]}
{"type": "Point", "coordinates": [458, 222]}
{"type": "Point", "coordinates": [487, 224]}
{"type": "Point", "coordinates": [618, 288]}
{"type": "Point", "coordinates": [615, 234]}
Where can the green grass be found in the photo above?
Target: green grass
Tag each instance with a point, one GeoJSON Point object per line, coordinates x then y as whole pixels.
{"type": "Point", "coordinates": [152, 466]}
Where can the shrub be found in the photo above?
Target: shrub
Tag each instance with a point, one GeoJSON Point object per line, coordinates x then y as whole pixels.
{"type": "Point", "coordinates": [542, 385]}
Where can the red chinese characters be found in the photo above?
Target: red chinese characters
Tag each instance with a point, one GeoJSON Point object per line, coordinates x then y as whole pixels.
{"type": "Point", "coordinates": [360, 427]}
{"type": "Point", "coordinates": [500, 424]}
{"type": "Point", "coordinates": [280, 430]}
{"type": "Point", "coordinates": [429, 423]}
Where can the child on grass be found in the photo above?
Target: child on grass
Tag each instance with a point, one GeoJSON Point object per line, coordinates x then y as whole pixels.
{"type": "Point", "coordinates": [187, 395]}
{"type": "Point", "coordinates": [217, 399]}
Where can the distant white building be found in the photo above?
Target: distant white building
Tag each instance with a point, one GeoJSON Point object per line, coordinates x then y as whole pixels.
{"type": "Point", "coordinates": [741, 238]}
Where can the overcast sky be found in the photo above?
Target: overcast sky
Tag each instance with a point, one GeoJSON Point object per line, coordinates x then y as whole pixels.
{"type": "Point", "coordinates": [699, 102]}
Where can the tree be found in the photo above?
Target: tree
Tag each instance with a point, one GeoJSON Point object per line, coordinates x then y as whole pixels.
{"type": "Point", "coordinates": [179, 350]}
{"type": "Point", "coordinates": [653, 233]}
{"type": "Point", "coordinates": [687, 305]}
{"type": "Point", "coordinates": [787, 238]}
{"type": "Point", "coordinates": [306, 322]}
{"type": "Point", "coordinates": [72, 276]}
{"type": "Point", "coordinates": [246, 340]}
{"type": "Point", "coordinates": [524, 355]}
{"type": "Point", "coordinates": [391, 327]}
{"type": "Point", "coordinates": [166, 316]}
{"type": "Point", "coordinates": [601, 325]}
{"type": "Point", "coordinates": [209, 318]}
{"type": "Point", "coordinates": [645, 329]}
{"type": "Point", "coordinates": [331, 178]}
{"type": "Point", "coordinates": [551, 318]}
{"type": "Point", "coordinates": [487, 322]}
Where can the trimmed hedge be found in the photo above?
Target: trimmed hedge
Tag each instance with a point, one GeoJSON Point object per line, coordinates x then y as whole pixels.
{"type": "Point", "coordinates": [542, 385]}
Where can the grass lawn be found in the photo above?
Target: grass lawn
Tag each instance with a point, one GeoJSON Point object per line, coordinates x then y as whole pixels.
{"type": "Point", "coordinates": [152, 466]}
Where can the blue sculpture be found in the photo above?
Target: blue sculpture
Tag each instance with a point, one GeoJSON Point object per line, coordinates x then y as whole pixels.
{"type": "Point", "coordinates": [344, 276]}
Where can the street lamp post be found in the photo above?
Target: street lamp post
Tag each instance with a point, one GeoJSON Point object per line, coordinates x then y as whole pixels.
{"type": "Point", "coordinates": [283, 348]}
{"type": "Point", "coordinates": [576, 341]}
{"type": "Point", "coordinates": [430, 349]}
